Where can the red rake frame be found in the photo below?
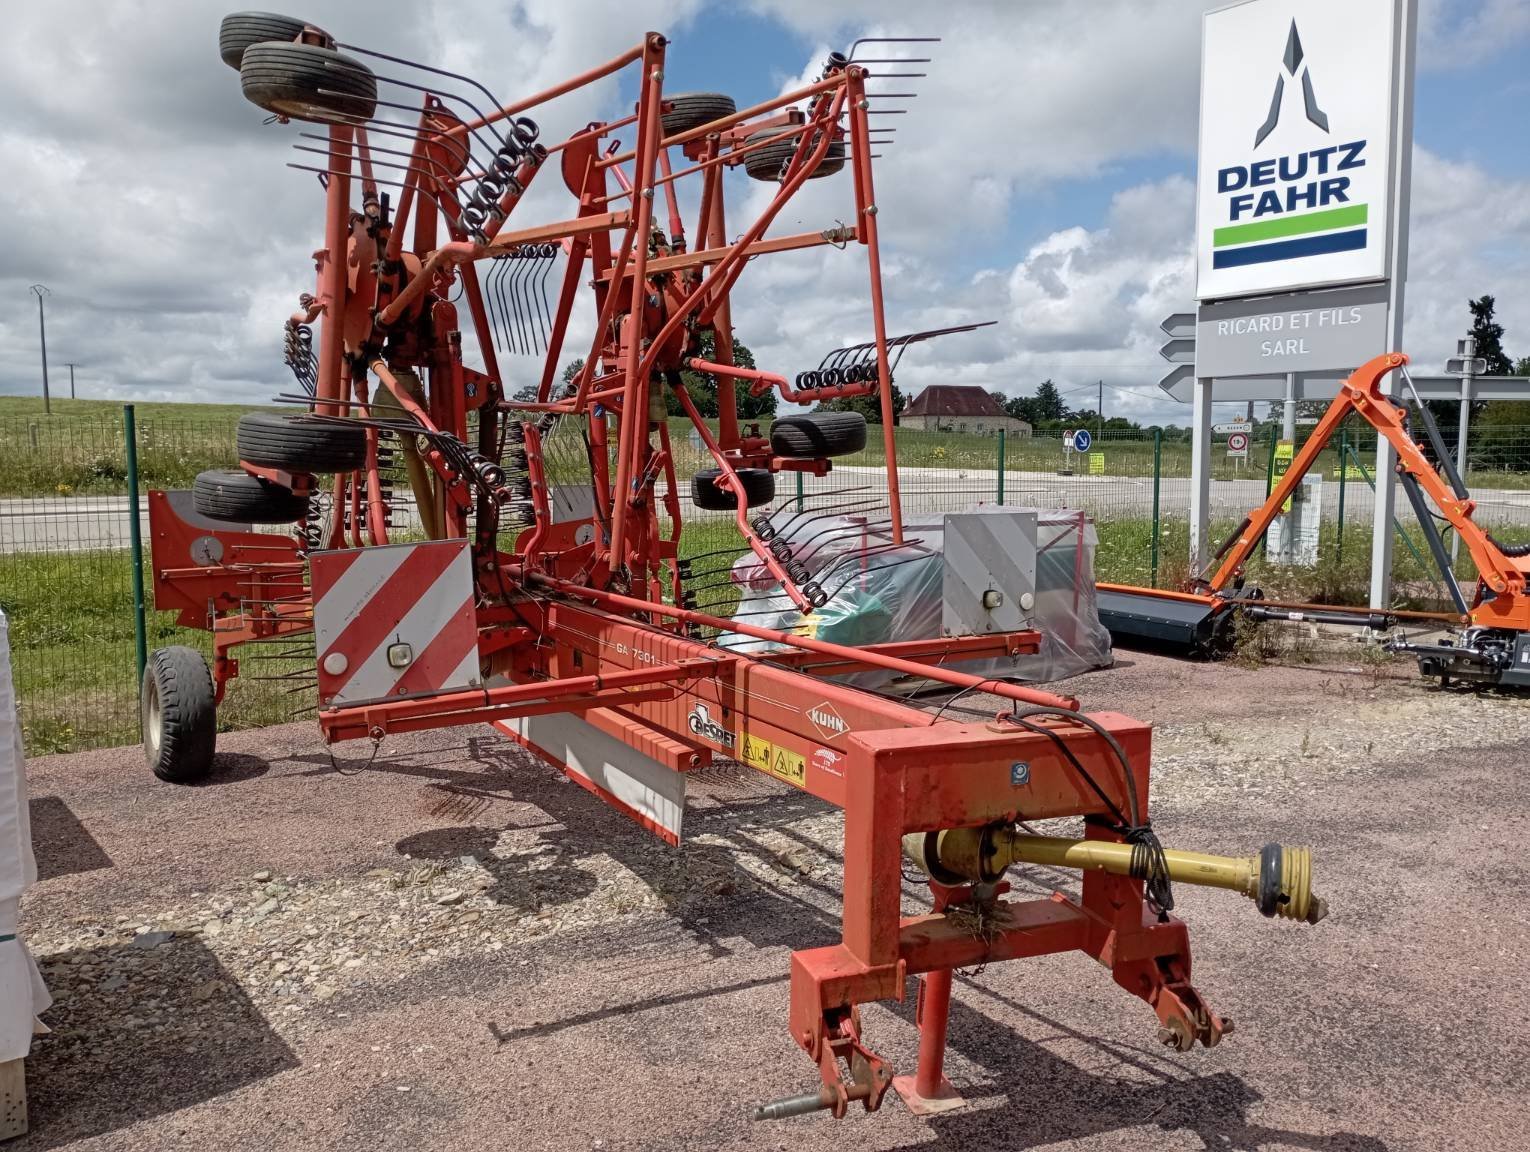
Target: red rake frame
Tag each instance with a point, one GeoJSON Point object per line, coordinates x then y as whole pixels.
{"type": "Point", "coordinates": [594, 630]}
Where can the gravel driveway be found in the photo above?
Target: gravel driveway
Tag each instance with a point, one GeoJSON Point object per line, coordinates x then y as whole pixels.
{"type": "Point", "coordinates": [451, 948]}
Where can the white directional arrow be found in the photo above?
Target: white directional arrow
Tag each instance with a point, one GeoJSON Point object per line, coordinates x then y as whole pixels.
{"type": "Point", "coordinates": [1180, 350]}
{"type": "Point", "coordinates": [1179, 325]}
{"type": "Point", "coordinates": [1177, 382]}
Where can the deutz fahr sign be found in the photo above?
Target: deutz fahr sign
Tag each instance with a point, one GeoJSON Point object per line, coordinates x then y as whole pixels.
{"type": "Point", "coordinates": [1296, 114]}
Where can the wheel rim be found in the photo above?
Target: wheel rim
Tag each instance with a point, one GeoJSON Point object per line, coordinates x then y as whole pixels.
{"type": "Point", "coordinates": [152, 718]}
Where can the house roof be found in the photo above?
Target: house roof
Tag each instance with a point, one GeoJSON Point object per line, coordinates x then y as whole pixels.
{"type": "Point", "coordinates": [954, 400]}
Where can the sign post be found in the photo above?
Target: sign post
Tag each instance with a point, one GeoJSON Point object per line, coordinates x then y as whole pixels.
{"type": "Point", "coordinates": [1404, 45]}
{"type": "Point", "coordinates": [1301, 212]}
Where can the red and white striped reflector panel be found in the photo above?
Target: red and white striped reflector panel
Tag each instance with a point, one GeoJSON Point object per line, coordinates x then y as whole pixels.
{"type": "Point", "coordinates": [395, 620]}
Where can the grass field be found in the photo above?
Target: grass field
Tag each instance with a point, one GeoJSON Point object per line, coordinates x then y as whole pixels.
{"type": "Point", "coordinates": [71, 614]}
{"type": "Point", "coordinates": [77, 679]}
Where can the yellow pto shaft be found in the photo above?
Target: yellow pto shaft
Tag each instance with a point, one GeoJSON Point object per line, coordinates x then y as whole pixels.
{"type": "Point", "coordinates": [1278, 879]}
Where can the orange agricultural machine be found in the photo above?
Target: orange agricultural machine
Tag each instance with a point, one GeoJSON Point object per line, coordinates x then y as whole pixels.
{"type": "Point", "coordinates": [1492, 646]}
{"type": "Point", "coordinates": [541, 587]}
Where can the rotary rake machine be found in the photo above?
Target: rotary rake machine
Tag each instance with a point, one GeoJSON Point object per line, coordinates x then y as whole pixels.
{"type": "Point", "coordinates": [541, 587]}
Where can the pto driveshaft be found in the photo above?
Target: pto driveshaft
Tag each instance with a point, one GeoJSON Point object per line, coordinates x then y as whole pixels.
{"type": "Point", "coordinates": [1278, 879]}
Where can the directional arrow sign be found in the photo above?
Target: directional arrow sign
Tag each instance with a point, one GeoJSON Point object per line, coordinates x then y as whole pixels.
{"type": "Point", "coordinates": [1177, 382]}
{"type": "Point", "coordinates": [1179, 325]}
{"type": "Point", "coordinates": [1463, 366]}
{"type": "Point", "coordinates": [1232, 427]}
{"type": "Point", "coordinates": [1180, 350]}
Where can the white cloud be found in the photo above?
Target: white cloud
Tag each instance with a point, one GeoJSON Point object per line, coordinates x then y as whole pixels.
{"type": "Point", "coordinates": [150, 197]}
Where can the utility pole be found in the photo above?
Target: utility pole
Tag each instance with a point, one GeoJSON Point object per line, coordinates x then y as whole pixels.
{"type": "Point", "coordinates": [40, 291]}
{"type": "Point", "coordinates": [72, 367]}
{"type": "Point", "coordinates": [1100, 412]}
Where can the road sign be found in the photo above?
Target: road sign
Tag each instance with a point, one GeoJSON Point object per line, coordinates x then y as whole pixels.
{"type": "Point", "coordinates": [1237, 444]}
{"type": "Point", "coordinates": [1232, 426]}
{"type": "Point", "coordinates": [1179, 351]}
{"type": "Point", "coordinates": [1177, 382]}
{"type": "Point", "coordinates": [1178, 325]}
{"type": "Point", "coordinates": [1081, 439]}
{"type": "Point", "coordinates": [1339, 328]}
{"type": "Point", "coordinates": [1285, 452]}
{"type": "Point", "coordinates": [1466, 365]}
{"type": "Point", "coordinates": [1180, 385]}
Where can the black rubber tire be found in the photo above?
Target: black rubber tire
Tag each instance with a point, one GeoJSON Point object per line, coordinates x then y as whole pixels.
{"type": "Point", "coordinates": [693, 109]}
{"type": "Point", "coordinates": [306, 82]}
{"type": "Point", "coordinates": [178, 715]}
{"type": "Point", "coordinates": [759, 488]}
{"type": "Point", "coordinates": [301, 443]}
{"type": "Point", "coordinates": [818, 435]}
{"type": "Point", "coordinates": [242, 30]}
{"type": "Point", "coordinates": [765, 164]}
{"type": "Point", "coordinates": [244, 499]}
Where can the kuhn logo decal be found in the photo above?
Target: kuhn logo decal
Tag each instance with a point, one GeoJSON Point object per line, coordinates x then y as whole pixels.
{"type": "Point", "coordinates": [703, 725]}
{"type": "Point", "coordinates": [827, 720]}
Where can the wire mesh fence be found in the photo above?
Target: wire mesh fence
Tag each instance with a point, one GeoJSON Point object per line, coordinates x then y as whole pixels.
{"type": "Point", "coordinates": [66, 562]}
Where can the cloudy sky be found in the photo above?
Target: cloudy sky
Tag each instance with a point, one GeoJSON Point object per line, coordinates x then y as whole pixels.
{"type": "Point", "coordinates": [1042, 179]}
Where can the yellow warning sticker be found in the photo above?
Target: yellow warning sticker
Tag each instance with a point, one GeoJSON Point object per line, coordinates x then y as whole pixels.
{"type": "Point", "coordinates": [758, 753]}
{"type": "Point", "coordinates": [790, 766]}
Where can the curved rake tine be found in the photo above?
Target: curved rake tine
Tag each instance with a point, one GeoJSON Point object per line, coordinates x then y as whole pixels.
{"type": "Point", "coordinates": [493, 99]}
{"type": "Point", "coordinates": [549, 259]}
{"type": "Point", "coordinates": [823, 540]}
{"type": "Point", "coordinates": [491, 294]}
{"type": "Point", "coordinates": [806, 514]}
{"type": "Point", "coordinates": [874, 568]}
{"type": "Point", "coordinates": [522, 302]}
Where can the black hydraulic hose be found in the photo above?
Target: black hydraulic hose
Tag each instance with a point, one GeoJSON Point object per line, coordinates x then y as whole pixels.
{"type": "Point", "coordinates": [1447, 465]}
{"type": "Point", "coordinates": [1432, 536]}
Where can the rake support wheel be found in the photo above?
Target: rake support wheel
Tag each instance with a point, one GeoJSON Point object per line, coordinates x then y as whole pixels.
{"type": "Point", "coordinates": [693, 109]}
{"type": "Point", "coordinates": [178, 714]}
{"type": "Point", "coordinates": [306, 82]}
{"type": "Point", "coordinates": [301, 443]}
{"type": "Point", "coordinates": [242, 30]}
{"type": "Point", "coordinates": [241, 498]}
{"type": "Point", "coordinates": [766, 163]}
{"type": "Point", "coordinates": [818, 435]}
{"type": "Point", "coordinates": [759, 488]}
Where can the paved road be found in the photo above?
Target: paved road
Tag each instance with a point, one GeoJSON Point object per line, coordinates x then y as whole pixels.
{"type": "Point", "coordinates": [79, 524]}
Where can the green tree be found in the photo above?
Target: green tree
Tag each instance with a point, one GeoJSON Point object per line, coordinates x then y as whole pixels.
{"type": "Point", "coordinates": [868, 406]}
{"type": "Point", "coordinates": [1048, 404]}
{"type": "Point", "coordinates": [1021, 408]}
{"type": "Point", "coordinates": [1489, 334]}
{"type": "Point", "coordinates": [1502, 436]}
{"type": "Point", "coordinates": [702, 386]}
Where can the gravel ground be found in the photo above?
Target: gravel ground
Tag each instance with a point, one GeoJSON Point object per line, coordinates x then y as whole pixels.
{"type": "Point", "coordinates": [451, 947]}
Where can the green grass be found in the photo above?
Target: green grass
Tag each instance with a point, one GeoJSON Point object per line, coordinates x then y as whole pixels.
{"type": "Point", "coordinates": [71, 621]}
{"type": "Point", "coordinates": [80, 449]}
{"type": "Point", "coordinates": [71, 634]}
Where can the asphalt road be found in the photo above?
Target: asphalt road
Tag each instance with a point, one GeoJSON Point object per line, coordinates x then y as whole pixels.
{"type": "Point", "coordinates": [81, 523]}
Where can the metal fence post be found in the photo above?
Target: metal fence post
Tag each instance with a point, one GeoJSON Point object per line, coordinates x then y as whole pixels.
{"type": "Point", "coordinates": [1157, 479]}
{"type": "Point", "coordinates": [1343, 472]}
{"type": "Point", "coordinates": [799, 491]}
{"type": "Point", "coordinates": [1000, 486]}
{"type": "Point", "coordinates": [135, 538]}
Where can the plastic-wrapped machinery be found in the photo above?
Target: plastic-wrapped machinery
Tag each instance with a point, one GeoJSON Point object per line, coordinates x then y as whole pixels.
{"type": "Point", "coordinates": [880, 591]}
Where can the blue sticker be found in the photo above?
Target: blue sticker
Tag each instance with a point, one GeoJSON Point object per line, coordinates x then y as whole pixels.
{"type": "Point", "coordinates": [1019, 774]}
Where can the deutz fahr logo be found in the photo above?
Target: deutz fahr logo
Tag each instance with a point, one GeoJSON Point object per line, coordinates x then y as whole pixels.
{"type": "Point", "coordinates": [827, 720]}
{"type": "Point", "coordinates": [702, 724]}
{"type": "Point", "coordinates": [1286, 207]}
